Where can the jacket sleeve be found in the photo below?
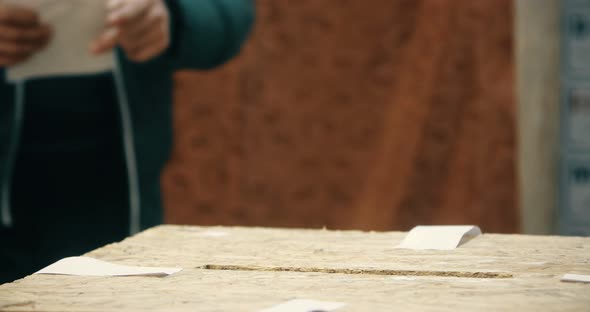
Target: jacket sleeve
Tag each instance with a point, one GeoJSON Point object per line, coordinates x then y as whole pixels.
{"type": "Point", "coordinates": [207, 33]}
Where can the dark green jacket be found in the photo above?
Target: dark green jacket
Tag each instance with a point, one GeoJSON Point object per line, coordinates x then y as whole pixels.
{"type": "Point", "coordinates": [205, 33]}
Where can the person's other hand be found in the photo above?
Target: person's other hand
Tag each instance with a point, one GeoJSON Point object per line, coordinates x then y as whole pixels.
{"type": "Point", "coordinates": [140, 27]}
{"type": "Point", "coordinates": [22, 34]}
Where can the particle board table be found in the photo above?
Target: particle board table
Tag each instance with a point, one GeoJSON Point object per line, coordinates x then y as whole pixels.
{"type": "Point", "coordinates": [249, 269]}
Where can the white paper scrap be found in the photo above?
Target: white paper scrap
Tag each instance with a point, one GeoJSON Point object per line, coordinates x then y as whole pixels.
{"type": "Point", "coordinates": [214, 234]}
{"type": "Point", "coordinates": [76, 23]}
{"type": "Point", "coordinates": [445, 237]}
{"type": "Point", "coordinates": [576, 278]}
{"type": "Point", "coordinates": [86, 266]}
{"type": "Point", "coordinates": [305, 305]}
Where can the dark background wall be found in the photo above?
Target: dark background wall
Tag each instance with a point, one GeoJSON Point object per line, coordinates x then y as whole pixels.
{"type": "Point", "coordinates": [373, 114]}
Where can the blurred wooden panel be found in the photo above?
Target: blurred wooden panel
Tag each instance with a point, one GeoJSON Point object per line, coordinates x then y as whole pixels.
{"type": "Point", "coordinates": [353, 114]}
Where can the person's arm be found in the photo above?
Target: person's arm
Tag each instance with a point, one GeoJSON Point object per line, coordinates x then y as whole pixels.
{"type": "Point", "coordinates": [207, 33]}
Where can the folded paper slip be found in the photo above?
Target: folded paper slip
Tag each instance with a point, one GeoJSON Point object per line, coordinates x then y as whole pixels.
{"type": "Point", "coordinates": [444, 237]}
{"type": "Point", "coordinates": [86, 266]}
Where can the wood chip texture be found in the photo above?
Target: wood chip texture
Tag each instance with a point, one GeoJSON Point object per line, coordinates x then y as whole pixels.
{"type": "Point", "coordinates": [249, 269]}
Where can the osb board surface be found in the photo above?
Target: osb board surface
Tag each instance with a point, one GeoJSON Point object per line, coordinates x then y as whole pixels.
{"type": "Point", "coordinates": [353, 115]}
{"type": "Point", "coordinates": [197, 290]}
{"type": "Point", "coordinates": [535, 264]}
{"type": "Point", "coordinates": [187, 246]}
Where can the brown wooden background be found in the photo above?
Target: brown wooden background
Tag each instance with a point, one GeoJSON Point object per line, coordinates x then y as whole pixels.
{"type": "Point", "coordinates": [378, 114]}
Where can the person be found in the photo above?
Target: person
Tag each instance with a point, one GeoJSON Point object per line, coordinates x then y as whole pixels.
{"type": "Point", "coordinates": [78, 168]}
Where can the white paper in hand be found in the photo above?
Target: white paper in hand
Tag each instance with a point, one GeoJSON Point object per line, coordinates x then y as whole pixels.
{"type": "Point", "coordinates": [76, 23]}
{"type": "Point", "coordinates": [439, 237]}
{"type": "Point", "coordinates": [303, 305]}
{"type": "Point", "coordinates": [85, 266]}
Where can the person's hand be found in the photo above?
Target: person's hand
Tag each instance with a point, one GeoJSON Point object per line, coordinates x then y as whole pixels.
{"type": "Point", "coordinates": [22, 34]}
{"type": "Point", "coordinates": [140, 27]}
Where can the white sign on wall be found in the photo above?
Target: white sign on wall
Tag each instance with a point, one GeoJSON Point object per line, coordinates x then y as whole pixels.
{"type": "Point", "coordinates": [578, 193]}
{"type": "Point", "coordinates": [574, 205]}
{"type": "Point", "coordinates": [577, 31]}
{"type": "Point", "coordinates": [579, 117]}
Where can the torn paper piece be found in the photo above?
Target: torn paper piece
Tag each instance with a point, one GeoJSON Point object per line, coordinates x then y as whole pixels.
{"type": "Point", "coordinates": [214, 234]}
{"type": "Point", "coordinates": [304, 305]}
{"type": "Point", "coordinates": [439, 237]}
{"type": "Point", "coordinates": [76, 24]}
{"type": "Point", "coordinates": [575, 278]}
{"type": "Point", "coordinates": [85, 266]}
